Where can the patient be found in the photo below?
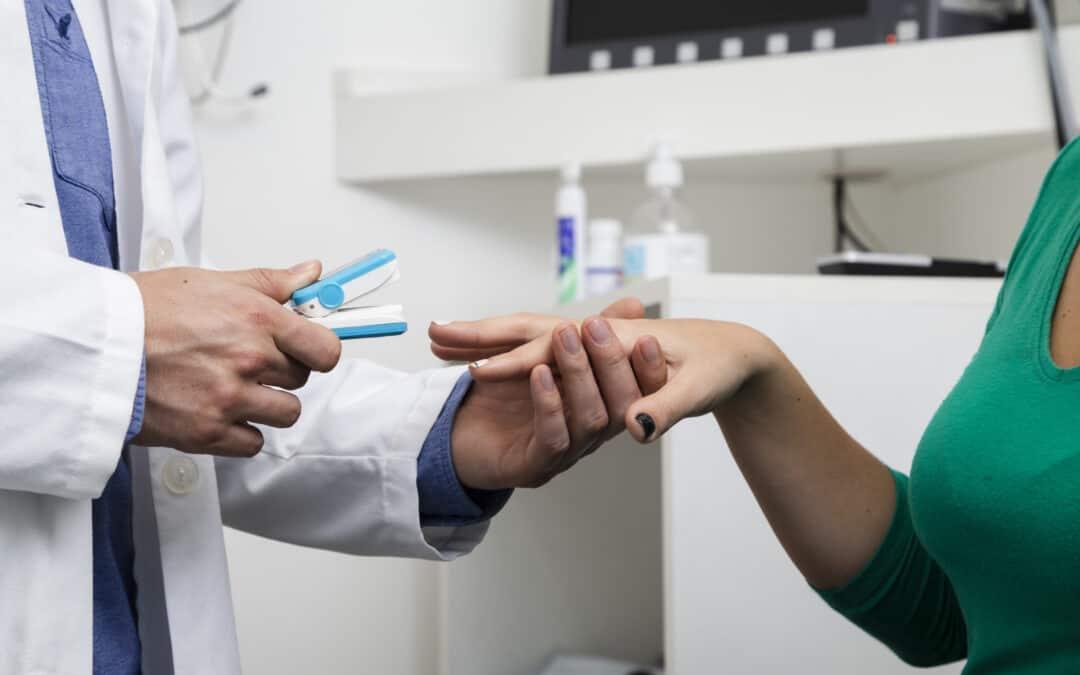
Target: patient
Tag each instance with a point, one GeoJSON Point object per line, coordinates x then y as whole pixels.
{"type": "Point", "coordinates": [976, 556]}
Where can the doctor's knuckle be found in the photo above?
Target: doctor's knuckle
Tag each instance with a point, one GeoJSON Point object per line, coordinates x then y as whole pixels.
{"type": "Point", "coordinates": [228, 392]}
{"type": "Point", "coordinates": [609, 358]}
{"type": "Point", "coordinates": [595, 421]}
{"type": "Point", "coordinates": [250, 360]}
{"type": "Point", "coordinates": [557, 445]}
{"type": "Point", "coordinates": [208, 433]}
{"type": "Point", "coordinates": [262, 280]}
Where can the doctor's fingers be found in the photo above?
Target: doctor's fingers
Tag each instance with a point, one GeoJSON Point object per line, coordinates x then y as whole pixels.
{"type": "Point", "coordinates": [611, 367]}
{"type": "Point", "coordinates": [284, 371]}
{"type": "Point", "coordinates": [264, 405]}
{"type": "Point", "coordinates": [312, 345]}
{"type": "Point", "coordinates": [237, 440]}
{"type": "Point", "coordinates": [278, 284]}
{"type": "Point", "coordinates": [625, 308]}
{"type": "Point", "coordinates": [587, 415]}
{"type": "Point", "coordinates": [548, 454]}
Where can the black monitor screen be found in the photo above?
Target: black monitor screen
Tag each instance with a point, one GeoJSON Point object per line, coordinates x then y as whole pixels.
{"type": "Point", "coordinates": [610, 20]}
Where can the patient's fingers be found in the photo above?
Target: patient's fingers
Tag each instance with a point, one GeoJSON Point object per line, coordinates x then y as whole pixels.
{"type": "Point", "coordinates": [504, 332]}
{"type": "Point", "coordinates": [516, 363]}
{"type": "Point", "coordinates": [651, 417]}
{"type": "Point", "coordinates": [650, 366]}
{"type": "Point", "coordinates": [462, 355]}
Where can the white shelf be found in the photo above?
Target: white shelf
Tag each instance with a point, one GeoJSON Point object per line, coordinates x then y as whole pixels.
{"type": "Point", "coordinates": [909, 110]}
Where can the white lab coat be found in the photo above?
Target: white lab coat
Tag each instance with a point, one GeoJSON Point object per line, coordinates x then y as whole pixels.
{"type": "Point", "coordinates": [71, 342]}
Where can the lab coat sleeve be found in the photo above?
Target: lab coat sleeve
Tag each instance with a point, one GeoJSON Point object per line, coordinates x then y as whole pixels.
{"type": "Point", "coordinates": [344, 477]}
{"type": "Point", "coordinates": [71, 345]}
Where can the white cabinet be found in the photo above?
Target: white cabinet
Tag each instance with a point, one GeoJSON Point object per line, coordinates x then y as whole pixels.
{"type": "Point", "coordinates": [661, 552]}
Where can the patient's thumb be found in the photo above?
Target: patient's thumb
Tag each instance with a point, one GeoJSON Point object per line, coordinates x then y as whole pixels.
{"type": "Point", "coordinates": [652, 416]}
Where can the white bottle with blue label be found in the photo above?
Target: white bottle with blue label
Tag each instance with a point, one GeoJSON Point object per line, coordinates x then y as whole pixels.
{"type": "Point", "coordinates": [570, 224]}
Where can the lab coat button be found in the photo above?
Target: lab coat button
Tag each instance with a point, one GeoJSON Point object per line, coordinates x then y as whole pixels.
{"type": "Point", "coordinates": [180, 475]}
{"type": "Point", "coordinates": [160, 253]}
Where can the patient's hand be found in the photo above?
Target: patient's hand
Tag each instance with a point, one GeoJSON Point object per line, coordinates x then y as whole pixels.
{"type": "Point", "coordinates": [704, 363]}
{"type": "Point", "coordinates": [523, 429]}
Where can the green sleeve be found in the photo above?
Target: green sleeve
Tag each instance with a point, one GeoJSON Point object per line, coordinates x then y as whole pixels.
{"type": "Point", "coordinates": [903, 598]}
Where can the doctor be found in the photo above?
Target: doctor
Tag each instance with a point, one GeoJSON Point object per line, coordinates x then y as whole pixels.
{"type": "Point", "coordinates": [112, 551]}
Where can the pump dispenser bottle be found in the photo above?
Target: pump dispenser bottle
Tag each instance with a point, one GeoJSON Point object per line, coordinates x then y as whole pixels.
{"type": "Point", "coordinates": [663, 241]}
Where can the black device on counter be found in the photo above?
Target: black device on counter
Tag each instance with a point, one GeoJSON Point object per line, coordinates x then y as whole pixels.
{"type": "Point", "coordinates": [605, 34]}
{"type": "Point", "coordinates": [858, 263]}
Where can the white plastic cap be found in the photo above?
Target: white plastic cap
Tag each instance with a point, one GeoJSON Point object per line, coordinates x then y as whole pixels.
{"type": "Point", "coordinates": [571, 172]}
{"type": "Point", "coordinates": [663, 170]}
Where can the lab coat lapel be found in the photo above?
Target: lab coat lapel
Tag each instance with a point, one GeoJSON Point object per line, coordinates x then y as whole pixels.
{"type": "Point", "coordinates": [134, 26]}
{"type": "Point", "coordinates": [31, 213]}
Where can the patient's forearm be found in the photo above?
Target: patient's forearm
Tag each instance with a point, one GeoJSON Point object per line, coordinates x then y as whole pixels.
{"type": "Point", "coordinates": [828, 499]}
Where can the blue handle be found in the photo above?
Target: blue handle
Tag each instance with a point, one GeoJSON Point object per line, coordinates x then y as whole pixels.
{"type": "Point", "coordinates": [372, 331]}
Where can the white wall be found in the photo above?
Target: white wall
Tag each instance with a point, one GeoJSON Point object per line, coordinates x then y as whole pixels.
{"type": "Point", "coordinates": [468, 248]}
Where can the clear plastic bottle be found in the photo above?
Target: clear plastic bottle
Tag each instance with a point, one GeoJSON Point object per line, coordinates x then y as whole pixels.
{"type": "Point", "coordinates": [603, 275]}
{"type": "Point", "coordinates": [663, 241]}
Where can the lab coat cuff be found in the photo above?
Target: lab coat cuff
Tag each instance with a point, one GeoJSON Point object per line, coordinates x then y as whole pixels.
{"type": "Point", "coordinates": [114, 388]}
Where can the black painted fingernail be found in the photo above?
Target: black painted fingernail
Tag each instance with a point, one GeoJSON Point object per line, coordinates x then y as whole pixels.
{"type": "Point", "coordinates": [648, 426]}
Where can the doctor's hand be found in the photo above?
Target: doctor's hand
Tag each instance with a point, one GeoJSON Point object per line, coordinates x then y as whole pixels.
{"type": "Point", "coordinates": [216, 344]}
{"type": "Point", "coordinates": [524, 430]}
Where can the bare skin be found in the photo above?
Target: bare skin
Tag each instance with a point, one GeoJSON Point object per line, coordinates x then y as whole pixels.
{"type": "Point", "coordinates": [1065, 330]}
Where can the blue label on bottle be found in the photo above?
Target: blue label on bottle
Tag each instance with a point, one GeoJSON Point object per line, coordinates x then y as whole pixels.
{"type": "Point", "coordinates": [634, 262]}
{"type": "Point", "coordinates": [568, 262]}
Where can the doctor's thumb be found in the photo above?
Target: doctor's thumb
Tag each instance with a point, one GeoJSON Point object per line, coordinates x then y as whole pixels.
{"type": "Point", "coordinates": [280, 284]}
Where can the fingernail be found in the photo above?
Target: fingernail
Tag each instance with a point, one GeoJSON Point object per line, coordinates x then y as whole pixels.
{"type": "Point", "coordinates": [442, 323]}
{"type": "Point", "coordinates": [650, 349]}
{"type": "Point", "coordinates": [303, 267]}
{"type": "Point", "coordinates": [599, 331]}
{"type": "Point", "coordinates": [570, 340]}
{"type": "Point", "coordinates": [647, 424]}
{"type": "Point", "coordinates": [547, 382]}
{"type": "Point", "coordinates": [479, 364]}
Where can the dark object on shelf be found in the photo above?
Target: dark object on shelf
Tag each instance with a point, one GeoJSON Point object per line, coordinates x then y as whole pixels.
{"type": "Point", "coordinates": [605, 34]}
{"type": "Point", "coordinates": [859, 263]}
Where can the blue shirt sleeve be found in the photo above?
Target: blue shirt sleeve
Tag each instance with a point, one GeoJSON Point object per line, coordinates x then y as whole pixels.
{"type": "Point", "coordinates": [138, 409]}
{"type": "Point", "coordinates": [444, 501]}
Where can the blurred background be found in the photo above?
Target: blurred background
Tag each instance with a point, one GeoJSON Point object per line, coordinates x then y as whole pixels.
{"type": "Point", "coordinates": [761, 137]}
